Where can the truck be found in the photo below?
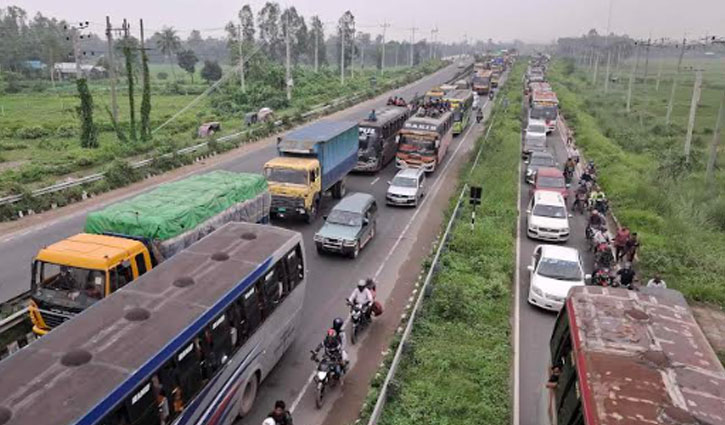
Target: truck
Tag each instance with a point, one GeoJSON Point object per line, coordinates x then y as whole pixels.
{"type": "Point", "coordinates": [311, 161]}
{"type": "Point", "coordinates": [125, 240]}
{"type": "Point", "coordinates": [481, 83]}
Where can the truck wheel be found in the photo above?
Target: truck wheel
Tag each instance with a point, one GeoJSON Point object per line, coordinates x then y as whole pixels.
{"type": "Point", "coordinates": [339, 190]}
{"type": "Point", "coordinates": [312, 213]}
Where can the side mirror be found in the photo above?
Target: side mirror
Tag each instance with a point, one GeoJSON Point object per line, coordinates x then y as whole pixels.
{"type": "Point", "coordinates": [568, 185]}
{"type": "Point", "coordinates": [587, 277]}
{"type": "Point", "coordinates": [528, 211]}
{"type": "Point", "coordinates": [324, 217]}
{"type": "Point", "coordinates": [389, 182]}
{"type": "Point", "coordinates": [530, 268]}
{"type": "Point", "coordinates": [366, 221]}
{"type": "Point", "coordinates": [571, 215]}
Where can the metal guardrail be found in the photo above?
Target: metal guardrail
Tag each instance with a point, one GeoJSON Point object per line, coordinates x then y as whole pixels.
{"type": "Point", "coordinates": [432, 270]}
{"type": "Point", "coordinates": [11, 199]}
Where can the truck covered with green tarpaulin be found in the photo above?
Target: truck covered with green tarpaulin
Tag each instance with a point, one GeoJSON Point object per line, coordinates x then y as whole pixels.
{"type": "Point", "coordinates": [175, 215]}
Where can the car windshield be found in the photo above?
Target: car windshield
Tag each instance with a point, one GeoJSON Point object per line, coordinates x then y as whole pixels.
{"type": "Point", "coordinates": [345, 218]}
{"type": "Point", "coordinates": [551, 211]}
{"type": "Point", "coordinates": [401, 181]}
{"type": "Point", "coordinates": [537, 128]}
{"type": "Point", "coordinates": [560, 269]}
{"type": "Point", "coordinates": [420, 146]}
{"type": "Point", "coordinates": [542, 161]}
{"type": "Point", "coordinates": [286, 175]}
{"type": "Point", "coordinates": [543, 112]}
{"type": "Point", "coordinates": [365, 134]}
{"type": "Point", "coordinates": [69, 286]}
{"type": "Point", "coordinates": [552, 182]}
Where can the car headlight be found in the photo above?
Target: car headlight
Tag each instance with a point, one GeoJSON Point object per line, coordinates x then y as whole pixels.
{"type": "Point", "coordinates": [537, 291]}
{"type": "Point", "coordinates": [318, 238]}
{"type": "Point", "coordinates": [349, 242]}
{"type": "Point", "coordinates": [529, 172]}
{"type": "Point", "coordinates": [533, 227]}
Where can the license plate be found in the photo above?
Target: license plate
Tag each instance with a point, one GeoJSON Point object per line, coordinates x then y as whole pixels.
{"type": "Point", "coordinates": [281, 209]}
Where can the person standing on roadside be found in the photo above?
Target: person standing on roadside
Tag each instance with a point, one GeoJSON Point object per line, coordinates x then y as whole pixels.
{"type": "Point", "coordinates": [626, 276]}
{"type": "Point", "coordinates": [620, 242]}
{"type": "Point", "coordinates": [656, 282]}
{"type": "Point", "coordinates": [631, 247]}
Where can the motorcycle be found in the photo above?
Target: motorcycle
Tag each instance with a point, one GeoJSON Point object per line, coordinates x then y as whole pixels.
{"type": "Point", "coordinates": [329, 374]}
{"type": "Point", "coordinates": [491, 95]}
{"type": "Point", "coordinates": [359, 319]}
{"type": "Point", "coordinates": [479, 117]}
{"type": "Point", "coordinates": [603, 257]}
{"type": "Point", "coordinates": [602, 277]}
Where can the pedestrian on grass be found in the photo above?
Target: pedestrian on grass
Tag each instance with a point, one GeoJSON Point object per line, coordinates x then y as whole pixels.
{"type": "Point", "coordinates": [656, 282]}
{"type": "Point", "coordinates": [631, 247]}
{"type": "Point", "coordinates": [620, 242]}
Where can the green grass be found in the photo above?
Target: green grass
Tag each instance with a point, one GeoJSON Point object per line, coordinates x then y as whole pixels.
{"type": "Point", "coordinates": [458, 365]}
{"type": "Point", "coordinates": [681, 221]}
{"type": "Point", "coordinates": [55, 152]}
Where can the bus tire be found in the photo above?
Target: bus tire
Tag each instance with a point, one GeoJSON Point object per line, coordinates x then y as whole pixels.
{"type": "Point", "coordinates": [248, 395]}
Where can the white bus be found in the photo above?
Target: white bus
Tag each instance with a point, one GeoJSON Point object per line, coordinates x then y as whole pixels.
{"type": "Point", "coordinates": [188, 343]}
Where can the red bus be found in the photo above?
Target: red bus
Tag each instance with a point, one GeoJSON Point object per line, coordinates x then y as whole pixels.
{"type": "Point", "coordinates": [634, 358]}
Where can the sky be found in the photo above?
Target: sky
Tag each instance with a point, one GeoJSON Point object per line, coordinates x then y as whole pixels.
{"type": "Point", "coordinates": [539, 21]}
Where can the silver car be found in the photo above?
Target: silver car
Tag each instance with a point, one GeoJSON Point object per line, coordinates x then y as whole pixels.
{"type": "Point", "coordinates": [406, 188]}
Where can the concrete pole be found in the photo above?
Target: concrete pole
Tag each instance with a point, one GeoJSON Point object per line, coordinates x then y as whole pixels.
{"type": "Point", "coordinates": [342, 55]}
{"type": "Point", "coordinates": [288, 73]}
{"type": "Point", "coordinates": [606, 73]}
{"type": "Point", "coordinates": [671, 102]}
{"type": "Point", "coordinates": [75, 35]}
{"type": "Point", "coordinates": [142, 47]}
{"type": "Point", "coordinates": [693, 110]}
{"type": "Point", "coordinates": [111, 69]}
{"type": "Point", "coordinates": [412, 44]}
{"type": "Point", "coordinates": [241, 59]}
{"type": "Point", "coordinates": [596, 69]}
{"type": "Point", "coordinates": [317, 42]}
{"type": "Point", "coordinates": [631, 80]}
{"type": "Point", "coordinates": [659, 74]}
{"type": "Point", "coordinates": [712, 158]}
{"type": "Point", "coordinates": [382, 60]}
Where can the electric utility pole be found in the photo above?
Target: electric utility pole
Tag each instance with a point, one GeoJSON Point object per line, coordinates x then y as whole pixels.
{"type": "Point", "coordinates": [432, 42]}
{"type": "Point", "coordinates": [111, 69]}
{"type": "Point", "coordinates": [671, 102]}
{"type": "Point", "coordinates": [317, 47]}
{"type": "Point", "coordinates": [342, 55]}
{"type": "Point", "coordinates": [712, 158]}
{"type": "Point", "coordinates": [240, 41]}
{"type": "Point", "coordinates": [385, 26]}
{"type": "Point", "coordinates": [412, 45]}
{"type": "Point", "coordinates": [596, 69]}
{"type": "Point", "coordinates": [631, 78]}
{"type": "Point", "coordinates": [75, 37]}
{"type": "Point", "coordinates": [609, 49]}
{"type": "Point", "coordinates": [288, 74]}
{"type": "Point", "coordinates": [693, 109]}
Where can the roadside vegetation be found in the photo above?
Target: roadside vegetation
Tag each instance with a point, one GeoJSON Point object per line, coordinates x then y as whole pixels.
{"type": "Point", "coordinates": [458, 362]}
{"type": "Point", "coordinates": [653, 189]}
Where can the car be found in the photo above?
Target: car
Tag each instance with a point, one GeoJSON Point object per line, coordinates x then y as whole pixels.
{"type": "Point", "coordinates": [551, 179]}
{"type": "Point", "coordinates": [534, 137]}
{"type": "Point", "coordinates": [535, 161]}
{"type": "Point", "coordinates": [547, 217]}
{"type": "Point", "coordinates": [349, 227]}
{"type": "Point", "coordinates": [406, 188]}
{"type": "Point", "coordinates": [554, 270]}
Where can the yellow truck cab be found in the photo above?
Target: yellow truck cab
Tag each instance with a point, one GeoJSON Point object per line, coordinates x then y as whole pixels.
{"type": "Point", "coordinates": [70, 275]}
{"type": "Point", "coordinates": [295, 184]}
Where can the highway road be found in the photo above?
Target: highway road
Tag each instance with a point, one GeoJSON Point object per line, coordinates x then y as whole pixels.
{"type": "Point", "coordinates": [535, 324]}
{"type": "Point", "coordinates": [403, 238]}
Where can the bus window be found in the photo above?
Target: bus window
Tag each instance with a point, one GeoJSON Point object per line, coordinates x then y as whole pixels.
{"type": "Point", "coordinates": [117, 417]}
{"type": "Point", "coordinates": [568, 403]}
{"type": "Point", "coordinates": [221, 342]}
{"type": "Point", "coordinates": [295, 267]}
{"type": "Point", "coordinates": [141, 407]}
{"type": "Point", "coordinates": [188, 374]}
{"type": "Point", "coordinates": [273, 288]}
{"type": "Point", "coordinates": [560, 344]}
{"type": "Point", "coordinates": [252, 310]}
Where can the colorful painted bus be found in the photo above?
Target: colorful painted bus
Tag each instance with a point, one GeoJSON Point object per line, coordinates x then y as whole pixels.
{"type": "Point", "coordinates": [423, 141]}
{"type": "Point", "coordinates": [461, 104]}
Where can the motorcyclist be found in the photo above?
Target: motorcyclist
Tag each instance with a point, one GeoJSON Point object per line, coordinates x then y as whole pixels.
{"type": "Point", "coordinates": [338, 326]}
{"type": "Point", "coordinates": [569, 167]}
{"type": "Point", "coordinates": [596, 220]}
{"type": "Point", "coordinates": [335, 350]}
{"type": "Point", "coordinates": [363, 296]}
{"type": "Point", "coordinates": [491, 94]}
{"type": "Point", "coordinates": [479, 115]}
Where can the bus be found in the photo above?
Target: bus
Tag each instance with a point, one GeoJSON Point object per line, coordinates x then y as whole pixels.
{"type": "Point", "coordinates": [461, 104]}
{"type": "Point", "coordinates": [377, 145]}
{"type": "Point", "coordinates": [481, 82]}
{"type": "Point", "coordinates": [633, 358]}
{"type": "Point", "coordinates": [423, 141]}
{"type": "Point", "coordinates": [189, 343]}
{"type": "Point", "coordinates": [545, 106]}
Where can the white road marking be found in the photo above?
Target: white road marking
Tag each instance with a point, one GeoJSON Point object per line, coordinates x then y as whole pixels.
{"type": "Point", "coordinates": [372, 183]}
{"type": "Point", "coordinates": [433, 192]}
{"type": "Point", "coordinates": [517, 296]}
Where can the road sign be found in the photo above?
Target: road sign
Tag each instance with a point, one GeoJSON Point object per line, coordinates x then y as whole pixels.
{"type": "Point", "coordinates": [475, 196]}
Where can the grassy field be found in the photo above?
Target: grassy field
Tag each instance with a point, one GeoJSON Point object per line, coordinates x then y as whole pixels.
{"type": "Point", "coordinates": [457, 369]}
{"type": "Point", "coordinates": [654, 191]}
{"type": "Point", "coordinates": [38, 136]}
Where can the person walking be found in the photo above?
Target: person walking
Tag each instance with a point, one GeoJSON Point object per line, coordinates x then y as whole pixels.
{"type": "Point", "coordinates": [631, 247]}
{"type": "Point", "coordinates": [620, 242]}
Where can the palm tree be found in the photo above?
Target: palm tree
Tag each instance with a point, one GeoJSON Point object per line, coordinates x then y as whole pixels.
{"type": "Point", "coordinates": [169, 43]}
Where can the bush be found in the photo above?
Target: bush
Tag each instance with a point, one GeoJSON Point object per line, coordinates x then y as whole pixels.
{"type": "Point", "coordinates": [162, 76]}
{"type": "Point", "coordinates": [120, 173]}
{"type": "Point", "coordinates": [67, 130]}
{"type": "Point", "coordinates": [32, 132]}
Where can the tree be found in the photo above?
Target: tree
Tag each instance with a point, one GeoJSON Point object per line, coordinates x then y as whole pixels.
{"type": "Point", "coordinates": [346, 29]}
{"type": "Point", "coordinates": [246, 17]}
{"type": "Point", "coordinates": [316, 37]}
{"type": "Point", "coordinates": [194, 41]}
{"type": "Point", "coordinates": [270, 36]}
{"type": "Point", "coordinates": [89, 132]}
{"type": "Point", "coordinates": [168, 43]}
{"type": "Point", "coordinates": [211, 71]}
{"type": "Point", "coordinates": [187, 61]}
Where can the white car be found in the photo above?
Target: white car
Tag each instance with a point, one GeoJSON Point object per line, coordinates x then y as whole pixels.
{"type": "Point", "coordinates": [554, 271]}
{"type": "Point", "coordinates": [536, 129]}
{"type": "Point", "coordinates": [547, 217]}
{"type": "Point", "coordinates": [406, 188]}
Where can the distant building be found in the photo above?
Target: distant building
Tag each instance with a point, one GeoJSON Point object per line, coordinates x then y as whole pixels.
{"type": "Point", "coordinates": [66, 70]}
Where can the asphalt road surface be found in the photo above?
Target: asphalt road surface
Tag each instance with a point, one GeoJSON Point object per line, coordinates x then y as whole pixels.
{"type": "Point", "coordinates": [536, 324]}
{"type": "Point", "coordinates": [330, 278]}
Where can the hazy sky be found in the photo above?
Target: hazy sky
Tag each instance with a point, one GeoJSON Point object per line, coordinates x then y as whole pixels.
{"type": "Point", "coordinates": [528, 20]}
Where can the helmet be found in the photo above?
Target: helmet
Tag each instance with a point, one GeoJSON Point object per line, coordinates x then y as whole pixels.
{"type": "Point", "coordinates": [361, 284]}
{"type": "Point", "coordinates": [269, 421]}
{"type": "Point", "coordinates": [337, 324]}
{"type": "Point", "coordinates": [595, 212]}
{"type": "Point", "coordinates": [331, 333]}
